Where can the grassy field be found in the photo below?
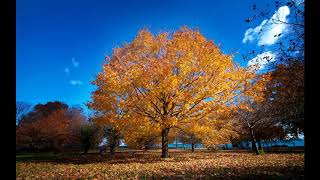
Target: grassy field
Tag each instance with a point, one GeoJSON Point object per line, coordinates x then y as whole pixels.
{"type": "Point", "coordinates": [149, 165]}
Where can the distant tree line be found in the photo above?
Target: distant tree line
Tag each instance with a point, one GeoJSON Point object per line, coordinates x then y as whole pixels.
{"type": "Point", "coordinates": [56, 127]}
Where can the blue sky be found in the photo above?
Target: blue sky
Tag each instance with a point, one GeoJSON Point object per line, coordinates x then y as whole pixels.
{"type": "Point", "coordinates": [61, 44]}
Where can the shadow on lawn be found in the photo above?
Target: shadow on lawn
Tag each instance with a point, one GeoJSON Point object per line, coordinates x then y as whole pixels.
{"type": "Point", "coordinates": [124, 157]}
{"type": "Point", "coordinates": [117, 158]}
{"type": "Point", "coordinates": [77, 158]}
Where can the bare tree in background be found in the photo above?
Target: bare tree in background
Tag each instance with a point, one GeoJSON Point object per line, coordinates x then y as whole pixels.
{"type": "Point", "coordinates": [289, 43]}
{"type": "Point", "coordinates": [22, 108]}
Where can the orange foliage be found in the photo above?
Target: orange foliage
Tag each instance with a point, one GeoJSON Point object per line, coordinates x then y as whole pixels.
{"type": "Point", "coordinates": [161, 82]}
{"type": "Point", "coordinates": [50, 132]}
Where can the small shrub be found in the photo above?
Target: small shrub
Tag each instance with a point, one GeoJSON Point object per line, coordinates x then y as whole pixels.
{"type": "Point", "coordinates": [261, 151]}
{"type": "Point", "coordinates": [213, 148]}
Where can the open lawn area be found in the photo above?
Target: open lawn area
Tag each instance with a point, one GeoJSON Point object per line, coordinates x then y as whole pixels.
{"type": "Point", "coordinates": [148, 165]}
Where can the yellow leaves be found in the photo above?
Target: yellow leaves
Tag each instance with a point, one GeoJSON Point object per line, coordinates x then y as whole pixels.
{"type": "Point", "coordinates": [168, 122]}
{"type": "Point", "coordinates": [158, 76]}
{"type": "Point", "coordinates": [162, 38]}
{"type": "Point", "coordinates": [144, 37]}
{"type": "Point", "coordinates": [148, 165]}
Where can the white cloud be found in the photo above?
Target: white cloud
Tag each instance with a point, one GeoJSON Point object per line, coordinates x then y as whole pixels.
{"type": "Point", "coordinates": [259, 62]}
{"type": "Point", "coordinates": [266, 31]}
{"type": "Point", "coordinates": [67, 70]}
{"type": "Point", "coordinates": [76, 82]}
{"type": "Point", "coordinates": [75, 63]}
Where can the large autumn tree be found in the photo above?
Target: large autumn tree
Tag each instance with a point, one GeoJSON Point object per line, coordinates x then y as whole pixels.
{"type": "Point", "coordinates": [165, 81]}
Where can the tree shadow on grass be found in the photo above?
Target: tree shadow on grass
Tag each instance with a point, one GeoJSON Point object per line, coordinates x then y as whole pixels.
{"type": "Point", "coordinates": [124, 157]}
{"type": "Point", "coordinates": [117, 158]}
{"type": "Point", "coordinates": [90, 158]}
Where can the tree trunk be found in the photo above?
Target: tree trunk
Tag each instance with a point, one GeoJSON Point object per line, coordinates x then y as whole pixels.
{"type": "Point", "coordinates": [86, 148]}
{"type": "Point", "coordinates": [259, 144]}
{"type": "Point", "coordinates": [176, 144]}
{"type": "Point", "coordinates": [165, 139]}
{"type": "Point", "coordinates": [254, 146]}
{"type": "Point", "coordinates": [112, 144]}
{"type": "Point", "coordinates": [192, 147]}
{"type": "Point", "coordinates": [265, 142]}
{"type": "Point", "coordinates": [241, 146]}
{"type": "Point", "coordinates": [112, 149]}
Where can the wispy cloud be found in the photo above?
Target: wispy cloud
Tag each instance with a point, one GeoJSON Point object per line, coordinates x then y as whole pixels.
{"type": "Point", "coordinates": [76, 82]}
{"type": "Point", "coordinates": [75, 63]}
{"type": "Point", "coordinates": [266, 33]}
{"type": "Point", "coordinates": [259, 62]}
{"type": "Point", "coordinates": [67, 70]}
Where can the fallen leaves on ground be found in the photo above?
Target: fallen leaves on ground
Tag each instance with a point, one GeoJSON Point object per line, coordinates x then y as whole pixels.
{"type": "Point", "coordinates": [181, 165]}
